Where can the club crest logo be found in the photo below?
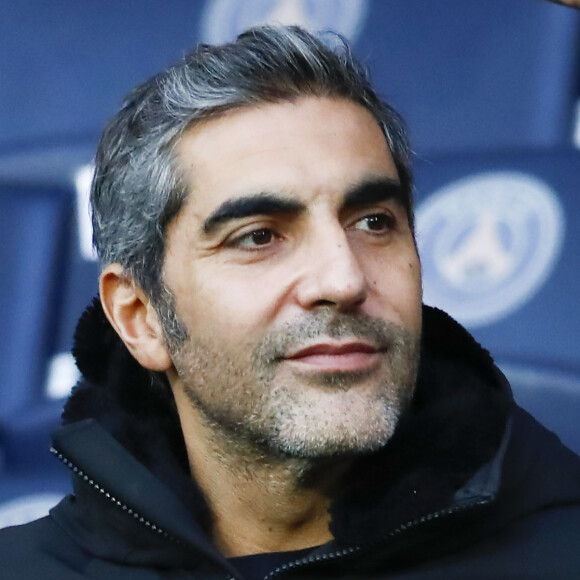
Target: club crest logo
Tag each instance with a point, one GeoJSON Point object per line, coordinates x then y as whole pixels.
{"type": "Point", "coordinates": [223, 20]}
{"type": "Point", "coordinates": [487, 244]}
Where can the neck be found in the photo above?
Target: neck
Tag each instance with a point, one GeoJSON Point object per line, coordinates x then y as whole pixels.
{"type": "Point", "coordinates": [260, 503]}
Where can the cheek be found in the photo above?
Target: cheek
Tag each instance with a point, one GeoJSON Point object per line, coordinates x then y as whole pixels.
{"type": "Point", "coordinates": [395, 290]}
{"type": "Point", "coordinates": [230, 304]}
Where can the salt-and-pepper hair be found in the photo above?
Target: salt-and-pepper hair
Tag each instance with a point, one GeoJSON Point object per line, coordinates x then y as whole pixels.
{"type": "Point", "coordinates": [138, 187]}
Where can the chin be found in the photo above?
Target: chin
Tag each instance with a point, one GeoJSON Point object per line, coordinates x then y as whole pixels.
{"type": "Point", "coordinates": [337, 428]}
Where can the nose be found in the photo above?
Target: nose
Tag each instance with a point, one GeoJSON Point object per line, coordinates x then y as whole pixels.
{"type": "Point", "coordinates": [331, 274]}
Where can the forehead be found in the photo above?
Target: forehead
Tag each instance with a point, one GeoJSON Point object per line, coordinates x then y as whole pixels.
{"type": "Point", "coordinates": [309, 148]}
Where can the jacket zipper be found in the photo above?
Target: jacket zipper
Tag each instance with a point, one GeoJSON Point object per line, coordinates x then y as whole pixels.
{"type": "Point", "coordinates": [355, 549]}
{"type": "Point", "coordinates": [80, 473]}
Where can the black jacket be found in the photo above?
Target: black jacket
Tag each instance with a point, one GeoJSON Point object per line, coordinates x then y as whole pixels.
{"type": "Point", "coordinates": [469, 487]}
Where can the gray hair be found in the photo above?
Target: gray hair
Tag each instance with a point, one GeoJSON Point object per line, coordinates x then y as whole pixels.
{"type": "Point", "coordinates": [138, 188]}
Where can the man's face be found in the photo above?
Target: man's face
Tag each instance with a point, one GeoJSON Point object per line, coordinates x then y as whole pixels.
{"type": "Point", "coordinates": [294, 270]}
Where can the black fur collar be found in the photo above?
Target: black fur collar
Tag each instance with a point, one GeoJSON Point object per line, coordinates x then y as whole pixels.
{"type": "Point", "coordinates": [453, 427]}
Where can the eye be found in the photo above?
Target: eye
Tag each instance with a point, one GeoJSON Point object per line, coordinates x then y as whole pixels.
{"type": "Point", "coordinates": [254, 239]}
{"type": "Point", "coordinates": [377, 223]}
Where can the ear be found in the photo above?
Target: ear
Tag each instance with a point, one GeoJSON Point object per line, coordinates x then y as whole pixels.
{"type": "Point", "coordinates": [132, 315]}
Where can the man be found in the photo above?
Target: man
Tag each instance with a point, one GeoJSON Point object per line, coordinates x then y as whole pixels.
{"type": "Point", "coordinates": [264, 395]}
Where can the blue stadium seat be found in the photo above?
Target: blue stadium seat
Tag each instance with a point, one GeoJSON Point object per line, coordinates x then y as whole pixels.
{"type": "Point", "coordinates": [66, 168]}
{"type": "Point", "coordinates": [79, 287]}
{"type": "Point", "coordinates": [34, 221]}
{"type": "Point", "coordinates": [31, 479]}
{"type": "Point", "coordinates": [499, 73]}
{"type": "Point", "coordinates": [550, 394]}
{"type": "Point", "coordinates": [25, 439]}
{"type": "Point", "coordinates": [25, 497]}
{"type": "Point", "coordinates": [39, 242]}
{"type": "Point", "coordinates": [500, 248]}
{"type": "Point", "coordinates": [477, 75]}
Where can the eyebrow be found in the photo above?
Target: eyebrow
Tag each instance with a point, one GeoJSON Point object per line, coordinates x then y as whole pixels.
{"type": "Point", "coordinates": [246, 206]}
{"type": "Point", "coordinates": [373, 191]}
{"type": "Point", "coordinates": [265, 203]}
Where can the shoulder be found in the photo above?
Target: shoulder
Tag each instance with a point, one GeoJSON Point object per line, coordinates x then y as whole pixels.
{"type": "Point", "coordinates": [40, 549]}
{"type": "Point", "coordinates": [538, 508]}
{"type": "Point", "coordinates": [543, 544]}
{"type": "Point", "coordinates": [537, 460]}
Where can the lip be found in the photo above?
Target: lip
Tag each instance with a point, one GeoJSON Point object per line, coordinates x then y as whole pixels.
{"type": "Point", "coordinates": [332, 357]}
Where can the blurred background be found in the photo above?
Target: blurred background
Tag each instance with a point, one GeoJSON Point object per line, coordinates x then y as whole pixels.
{"type": "Point", "coordinates": [491, 93]}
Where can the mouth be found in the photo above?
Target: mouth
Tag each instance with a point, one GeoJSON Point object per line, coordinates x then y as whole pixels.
{"type": "Point", "coordinates": [354, 356]}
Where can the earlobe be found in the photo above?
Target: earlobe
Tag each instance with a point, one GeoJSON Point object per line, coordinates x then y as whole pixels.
{"type": "Point", "coordinates": [133, 317]}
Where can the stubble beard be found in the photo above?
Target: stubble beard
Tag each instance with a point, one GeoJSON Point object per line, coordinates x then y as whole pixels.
{"type": "Point", "coordinates": [254, 403]}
